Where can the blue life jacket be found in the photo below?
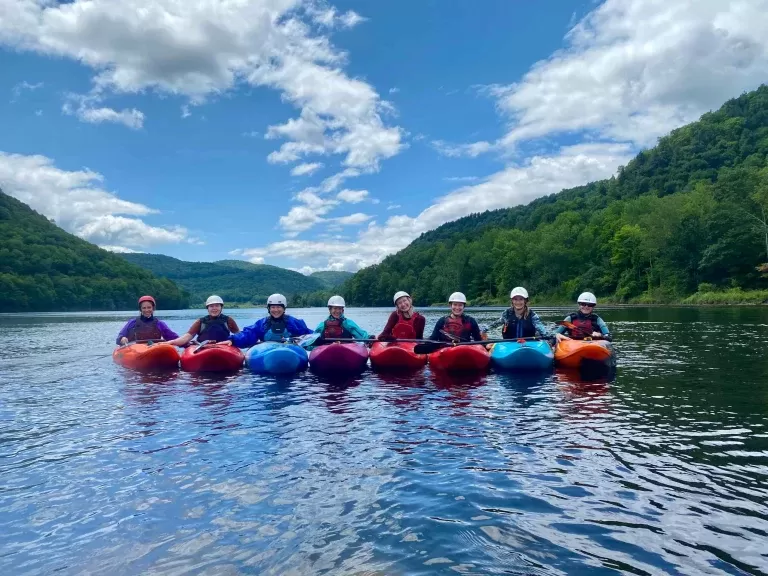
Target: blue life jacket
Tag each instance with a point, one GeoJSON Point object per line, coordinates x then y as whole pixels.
{"type": "Point", "coordinates": [216, 329]}
{"type": "Point", "coordinates": [276, 330]}
{"type": "Point", "coordinates": [145, 329]}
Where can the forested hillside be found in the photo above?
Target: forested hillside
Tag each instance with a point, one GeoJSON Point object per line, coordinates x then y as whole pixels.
{"type": "Point", "coordinates": [331, 278]}
{"type": "Point", "coordinates": [236, 281]}
{"type": "Point", "coordinates": [44, 268]}
{"type": "Point", "coordinates": [687, 215]}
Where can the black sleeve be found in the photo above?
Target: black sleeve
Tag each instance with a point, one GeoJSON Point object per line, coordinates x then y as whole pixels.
{"type": "Point", "coordinates": [475, 330]}
{"type": "Point", "coordinates": [436, 330]}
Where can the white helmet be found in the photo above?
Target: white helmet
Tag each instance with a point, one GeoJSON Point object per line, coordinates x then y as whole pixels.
{"type": "Point", "coordinates": [399, 295]}
{"type": "Point", "coordinates": [214, 300]}
{"type": "Point", "coordinates": [336, 301]}
{"type": "Point", "coordinates": [519, 291]}
{"type": "Point", "coordinates": [586, 298]}
{"type": "Point", "coordinates": [457, 297]}
{"type": "Point", "coordinates": [277, 300]}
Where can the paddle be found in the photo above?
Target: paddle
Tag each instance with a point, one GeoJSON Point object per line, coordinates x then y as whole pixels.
{"type": "Point", "coordinates": [584, 334]}
{"type": "Point", "coordinates": [201, 345]}
{"type": "Point", "coordinates": [433, 345]}
{"type": "Point", "coordinates": [307, 339]}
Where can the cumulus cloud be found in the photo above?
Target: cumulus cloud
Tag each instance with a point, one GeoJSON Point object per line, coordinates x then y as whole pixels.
{"type": "Point", "coordinates": [76, 201]}
{"type": "Point", "coordinates": [352, 196]}
{"type": "Point", "coordinates": [118, 249]}
{"type": "Point", "coordinates": [85, 108]}
{"type": "Point", "coordinates": [353, 219]}
{"type": "Point", "coordinates": [306, 169]}
{"type": "Point", "coordinates": [205, 48]}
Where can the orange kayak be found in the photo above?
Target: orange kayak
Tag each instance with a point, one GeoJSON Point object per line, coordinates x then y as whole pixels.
{"type": "Point", "coordinates": [573, 353]}
{"type": "Point", "coordinates": [396, 356]}
{"type": "Point", "coordinates": [144, 357]}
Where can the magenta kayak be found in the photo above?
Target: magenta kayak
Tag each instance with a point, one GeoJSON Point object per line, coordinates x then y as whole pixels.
{"type": "Point", "coordinates": [338, 358]}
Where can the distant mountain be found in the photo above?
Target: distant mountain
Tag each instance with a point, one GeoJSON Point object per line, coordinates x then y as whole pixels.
{"type": "Point", "coordinates": [44, 268]}
{"type": "Point", "coordinates": [236, 281]}
{"type": "Point", "coordinates": [331, 278]}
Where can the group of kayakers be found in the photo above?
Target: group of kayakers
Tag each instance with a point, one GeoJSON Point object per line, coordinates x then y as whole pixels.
{"type": "Point", "coordinates": [518, 321]}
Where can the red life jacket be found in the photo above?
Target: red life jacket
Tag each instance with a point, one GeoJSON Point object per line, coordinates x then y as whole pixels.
{"type": "Point", "coordinates": [145, 330]}
{"type": "Point", "coordinates": [459, 327]}
{"type": "Point", "coordinates": [335, 329]}
{"type": "Point", "coordinates": [586, 324]}
{"type": "Point", "coordinates": [404, 328]}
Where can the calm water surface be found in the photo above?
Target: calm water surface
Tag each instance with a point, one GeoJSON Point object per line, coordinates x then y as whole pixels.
{"type": "Point", "coordinates": [661, 468]}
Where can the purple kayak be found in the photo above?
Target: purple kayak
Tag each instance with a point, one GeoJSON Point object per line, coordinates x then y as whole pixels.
{"type": "Point", "coordinates": [338, 358]}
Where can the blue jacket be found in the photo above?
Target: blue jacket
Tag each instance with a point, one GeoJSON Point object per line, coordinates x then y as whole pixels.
{"type": "Point", "coordinates": [254, 333]}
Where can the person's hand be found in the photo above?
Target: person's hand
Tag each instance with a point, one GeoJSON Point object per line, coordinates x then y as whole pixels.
{"type": "Point", "coordinates": [561, 337]}
{"type": "Point", "coordinates": [123, 341]}
{"type": "Point", "coordinates": [597, 334]}
{"type": "Point", "coordinates": [226, 342]}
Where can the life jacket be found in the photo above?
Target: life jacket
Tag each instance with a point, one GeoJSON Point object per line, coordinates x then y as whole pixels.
{"type": "Point", "coordinates": [460, 327]}
{"type": "Point", "coordinates": [587, 323]}
{"type": "Point", "coordinates": [335, 329]}
{"type": "Point", "coordinates": [214, 328]}
{"type": "Point", "coordinates": [145, 330]}
{"type": "Point", "coordinates": [515, 327]}
{"type": "Point", "coordinates": [276, 330]}
{"type": "Point", "coordinates": [405, 327]}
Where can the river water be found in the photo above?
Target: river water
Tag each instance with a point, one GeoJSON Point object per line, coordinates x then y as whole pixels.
{"type": "Point", "coordinates": [660, 468]}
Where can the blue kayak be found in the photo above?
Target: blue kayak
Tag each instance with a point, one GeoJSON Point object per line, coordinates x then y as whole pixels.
{"type": "Point", "coordinates": [276, 358]}
{"type": "Point", "coordinates": [525, 355]}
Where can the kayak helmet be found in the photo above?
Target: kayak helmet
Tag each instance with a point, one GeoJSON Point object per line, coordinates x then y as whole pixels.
{"type": "Point", "coordinates": [277, 300]}
{"type": "Point", "coordinates": [147, 299]}
{"type": "Point", "coordinates": [457, 297]}
{"type": "Point", "coordinates": [214, 300]}
{"type": "Point", "coordinates": [519, 291]}
{"type": "Point", "coordinates": [336, 301]}
{"type": "Point", "coordinates": [587, 298]}
{"type": "Point", "coordinates": [399, 295]}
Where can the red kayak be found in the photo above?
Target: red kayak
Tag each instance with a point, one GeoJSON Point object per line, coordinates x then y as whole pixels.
{"type": "Point", "coordinates": [396, 356]}
{"type": "Point", "coordinates": [460, 358]}
{"type": "Point", "coordinates": [212, 358]}
{"type": "Point", "coordinates": [338, 358]}
{"type": "Point", "coordinates": [146, 357]}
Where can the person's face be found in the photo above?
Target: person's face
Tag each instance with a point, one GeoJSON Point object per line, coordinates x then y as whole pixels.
{"type": "Point", "coordinates": [276, 311]}
{"type": "Point", "coordinates": [457, 308]}
{"type": "Point", "coordinates": [147, 309]}
{"type": "Point", "coordinates": [336, 311]}
{"type": "Point", "coordinates": [518, 302]}
{"type": "Point", "coordinates": [214, 310]}
{"type": "Point", "coordinates": [403, 303]}
{"type": "Point", "coordinates": [586, 308]}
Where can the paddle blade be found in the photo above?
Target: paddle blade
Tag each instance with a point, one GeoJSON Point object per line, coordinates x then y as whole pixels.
{"type": "Point", "coordinates": [429, 347]}
{"type": "Point", "coordinates": [309, 339]}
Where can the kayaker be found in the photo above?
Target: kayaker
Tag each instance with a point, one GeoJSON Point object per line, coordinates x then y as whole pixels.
{"type": "Point", "coordinates": [519, 321]}
{"type": "Point", "coordinates": [277, 326]}
{"type": "Point", "coordinates": [215, 326]}
{"type": "Point", "coordinates": [459, 325]}
{"type": "Point", "coordinates": [404, 322]}
{"type": "Point", "coordinates": [587, 323]}
{"type": "Point", "coordinates": [145, 326]}
{"type": "Point", "coordinates": [337, 325]}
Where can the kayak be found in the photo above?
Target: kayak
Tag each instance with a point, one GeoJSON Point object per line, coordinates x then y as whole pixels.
{"type": "Point", "coordinates": [460, 358]}
{"type": "Point", "coordinates": [575, 353]}
{"type": "Point", "coordinates": [522, 355]}
{"type": "Point", "coordinates": [212, 358]}
{"type": "Point", "coordinates": [276, 358]}
{"type": "Point", "coordinates": [338, 358]}
{"type": "Point", "coordinates": [158, 356]}
{"type": "Point", "coordinates": [396, 356]}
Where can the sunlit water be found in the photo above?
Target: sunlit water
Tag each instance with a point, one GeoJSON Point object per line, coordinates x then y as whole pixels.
{"type": "Point", "coordinates": [661, 468]}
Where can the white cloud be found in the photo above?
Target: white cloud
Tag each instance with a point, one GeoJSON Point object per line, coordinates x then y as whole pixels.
{"type": "Point", "coordinates": [394, 90]}
{"type": "Point", "coordinates": [518, 184]}
{"type": "Point", "coordinates": [306, 169]}
{"type": "Point", "coordinates": [393, 206]}
{"type": "Point", "coordinates": [353, 219]}
{"type": "Point", "coordinates": [205, 48]}
{"type": "Point", "coordinates": [472, 150]}
{"type": "Point", "coordinates": [635, 69]}
{"type": "Point", "coordinates": [352, 196]}
{"type": "Point", "coordinates": [78, 203]}
{"type": "Point", "coordinates": [84, 109]}
{"type": "Point", "coordinates": [461, 179]}
{"type": "Point", "coordinates": [328, 16]}
{"type": "Point", "coordinates": [118, 249]}
{"type": "Point", "coordinates": [185, 113]}
{"type": "Point", "coordinates": [22, 86]}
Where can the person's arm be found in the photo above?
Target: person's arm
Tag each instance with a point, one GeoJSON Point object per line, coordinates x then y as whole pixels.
{"type": "Point", "coordinates": [386, 333]}
{"type": "Point", "coordinates": [249, 335]}
{"type": "Point", "coordinates": [604, 329]}
{"type": "Point", "coordinates": [191, 333]}
{"type": "Point", "coordinates": [355, 330]}
{"type": "Point", "coordinates": [436, 330]}
{"type": "Point", "coordinates": [418, 324]}
{"type": "Point", "coordinates": [167, 333]}
{"type": "Point", "coordinates": [539, 325]}
{"type": "Point", "coordinates": [232, 325]}
{"type": "Point", "coordinates": [320, 327]}
{"type": "Point", "coordinates": [124, 331]}
{"type": "Point", "coordinates": [560, 331]}
{"type": "Point", "coordinates": [298, 327]}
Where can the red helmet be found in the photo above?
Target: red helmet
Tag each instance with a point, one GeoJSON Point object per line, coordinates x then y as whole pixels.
{"type": "Point", "coordinates": [147, 299]}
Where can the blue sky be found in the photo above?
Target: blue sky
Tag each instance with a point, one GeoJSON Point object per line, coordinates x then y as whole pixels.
{"type": "Point", "coordinates": [318, 135]}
